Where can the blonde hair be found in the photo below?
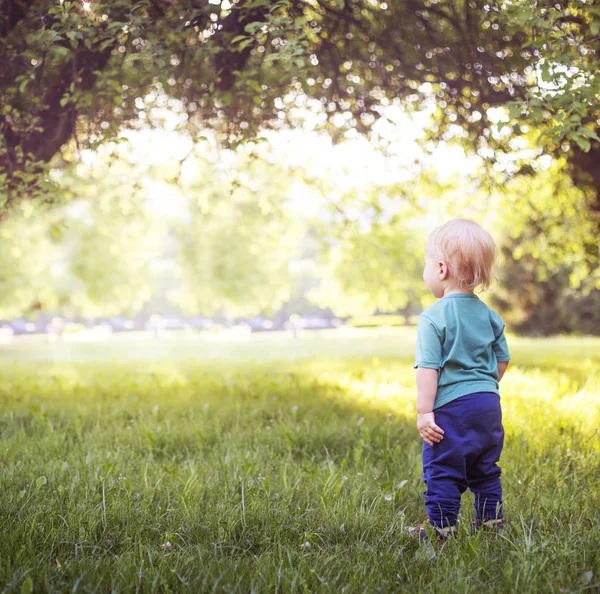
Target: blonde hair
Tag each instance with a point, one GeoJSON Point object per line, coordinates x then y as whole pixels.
{"type": "Point", "coordinates": [468, 250]}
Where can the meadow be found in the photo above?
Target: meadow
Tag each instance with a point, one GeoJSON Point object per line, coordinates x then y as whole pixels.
{"type": "Point", "coordinates": [278, 465]}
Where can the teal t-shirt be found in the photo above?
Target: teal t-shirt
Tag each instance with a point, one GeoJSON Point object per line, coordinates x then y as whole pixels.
{"type": "Point", "coordinates": [464, 340]}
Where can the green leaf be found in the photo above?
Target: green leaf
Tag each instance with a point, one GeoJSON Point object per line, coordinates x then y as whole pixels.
{"type": "Point", "coordinates": [546, 72]}
{"type": "Point", "coordinates": [255, 86]}
{"type": "Point", "coordinates": [589, 133]}
{"type": "Point", "coordinates": [115, 26]}
{"type": "Point", "coordinates": [252, 28]}
{"type": "Point", "coordinates": [114, 85]}
{"type": "Point", "coordinates": [583, 143]}
{"type": "Point", "coordinates": [247, 41]}
{"type": "Point", "coordinates": [514, 111]}
{"type": "Point", "coordinates": [524, 15]}
{"type": "Point", "coordinates": [27, 587]}
{"type": "Point", "coordinates": [60, 51]}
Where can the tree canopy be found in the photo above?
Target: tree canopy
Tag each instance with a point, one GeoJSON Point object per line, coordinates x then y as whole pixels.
{"type": "Point", "coordinates": [83, 71]}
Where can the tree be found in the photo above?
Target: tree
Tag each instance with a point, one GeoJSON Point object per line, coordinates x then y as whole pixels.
{"type": "Point", "coordinates": [90, 255]}
{"type": "Point", "coordinates": [110, 239]}
{"type": "Point", "coordinates": [235, 247]}
{"type": "Point", "coordinates": [539, 300]}
{"type": "Point", "coordinates": [27, 251]}
{"type": "Point", "coordinates": [374, 261]}
{"type": "Point", "coordinates": [550, 281]}
{"type": "Point", "coordinates": [86, 70]}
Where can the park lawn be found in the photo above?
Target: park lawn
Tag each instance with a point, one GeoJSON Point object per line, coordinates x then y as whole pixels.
{"type": "Point", "coordinates": [238, 463]}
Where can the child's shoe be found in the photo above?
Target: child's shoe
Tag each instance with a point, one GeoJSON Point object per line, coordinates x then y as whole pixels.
{"type": "Point", "coordinates": [488, 525]}
{"type": "Point", "coordinates": [443, 534]}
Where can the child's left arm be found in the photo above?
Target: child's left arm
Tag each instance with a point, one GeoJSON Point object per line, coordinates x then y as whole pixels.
{"type": "Point", "coordinates": [502, 365]}
{"type": "Point", "coordinates": [427, 380]}
{"type": "Point", "coordinates": [427, 362]}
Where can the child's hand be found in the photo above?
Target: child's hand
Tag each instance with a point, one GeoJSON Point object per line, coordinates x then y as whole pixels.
{"type": "Point", "coordinates": [430, 433]}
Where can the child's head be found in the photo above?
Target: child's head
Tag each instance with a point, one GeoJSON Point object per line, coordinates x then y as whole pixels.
{"type": "Point", "coordinates": [460, 255]}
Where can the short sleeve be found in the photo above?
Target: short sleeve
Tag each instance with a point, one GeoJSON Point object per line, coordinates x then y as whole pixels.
{"type": "Point", "coordinates": [500, 347]}
{"type": "Point", "coordinates": [429, 345]}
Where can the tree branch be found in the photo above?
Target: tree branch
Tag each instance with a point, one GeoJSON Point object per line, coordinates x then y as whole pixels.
{"type": "Point", "coordinates": [11, 12]}
{"type": "Point", "coordinates": [227, 61]}
{"type": "Point", "coordinates": [59, 118]}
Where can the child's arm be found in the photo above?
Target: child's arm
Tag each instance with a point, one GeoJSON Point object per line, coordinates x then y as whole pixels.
{"type": "Point", "coordinates": [502, 365]}
{"type": "Point", "coordinates": [499, 346]}
{"type": "Point", "coordinates": [427, 380]}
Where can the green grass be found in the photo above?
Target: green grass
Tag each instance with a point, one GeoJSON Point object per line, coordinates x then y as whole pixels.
{"type": "Point", "coordinates": [238, 452]}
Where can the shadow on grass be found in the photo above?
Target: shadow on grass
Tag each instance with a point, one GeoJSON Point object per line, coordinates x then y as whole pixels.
{"type": "Point", "coordinates": [238, 466]}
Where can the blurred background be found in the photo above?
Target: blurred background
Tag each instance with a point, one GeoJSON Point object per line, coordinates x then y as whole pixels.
{"type": "Point", "coordinates": [276, 166]}
{"type": "Point", "coordinates": [295, 234]}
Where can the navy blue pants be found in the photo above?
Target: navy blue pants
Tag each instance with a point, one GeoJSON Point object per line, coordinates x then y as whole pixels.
{"type": "Point", "coordinates": [466, 458]}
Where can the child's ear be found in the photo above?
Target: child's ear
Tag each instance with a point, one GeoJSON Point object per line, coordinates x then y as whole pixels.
{"type": "Point", "coordinates": [442, 269]}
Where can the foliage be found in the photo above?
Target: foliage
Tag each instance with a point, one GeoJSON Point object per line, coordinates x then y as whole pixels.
{"type": "Point", "coordinates": [88, 255]}
{"type": "Point", "coordinates": [223, 247]}
{"type": "Point", "coordinates": [537, 300]}
{"type": "Point", "coordinates": [112, 241]}
{"type": "Point", "coordinates": [563, 87]}
{"type": "Point", "coordinates": [378, 267]}
{"type": "Point", "coordinates": [235, 248]}
{"type": "Point", "coordinates": [373, 241]}
{"type": "Point", "coordinates": [94, 67]}
{"type": "Point", "coordinates": [27, 252]}
{"type": "Point", "coordinates": [550, 278]}
{"type": "Point", "coordinates": [237, 465]}
{"type": "Point", "coordinates": [91, 69]}
{"type": "Point", "coordinates": [552, 220]}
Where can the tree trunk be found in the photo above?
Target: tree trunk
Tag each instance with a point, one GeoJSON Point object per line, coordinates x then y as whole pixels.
{"type": "Point", "coordinates": [23, 154]}
{"type": "Point", "coordinates": [586, 171]}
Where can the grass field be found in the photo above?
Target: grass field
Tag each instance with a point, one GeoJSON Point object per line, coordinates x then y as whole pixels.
{"type": "Point", "coordinates": [206, 465]}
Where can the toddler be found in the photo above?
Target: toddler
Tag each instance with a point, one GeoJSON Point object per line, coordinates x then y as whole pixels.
{"type": "Point", "coordinates": [461, 356]}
